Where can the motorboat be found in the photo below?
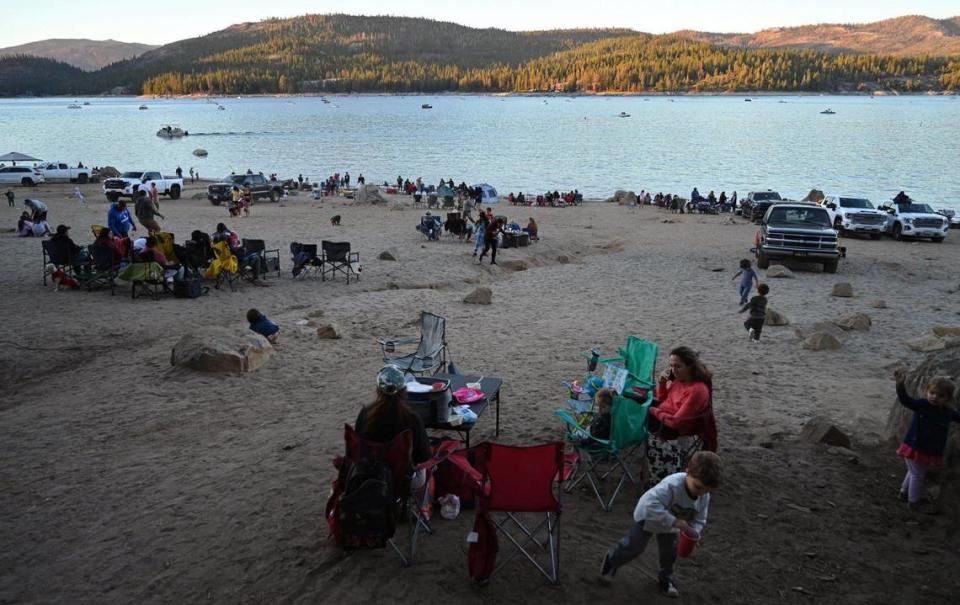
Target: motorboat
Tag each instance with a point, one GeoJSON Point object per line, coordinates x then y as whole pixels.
{"type": "Point", "coordinates": [748, 100]}
{"type": "Point", "coordinates": [426, 106]}
{"type": "Point", "coordinates": [221, 107]}
{"type": "Point", "coordinates": [86, 102]}
{"type": "Point", "coordinates": [142, 107]}
{"type": "Point", "coordinates": [325, 100]}
{"type": "Point", "coordinates": [623, 114]}
{"type": "Point", "coordinates": [828, 112]}
{"type": "Point", "coordinates": [74, 106]}
{"type": "Point", "coordinates": [171, 132]}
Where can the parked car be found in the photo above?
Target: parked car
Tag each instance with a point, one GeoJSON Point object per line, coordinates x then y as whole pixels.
{"type": "Point", "coordinates": [952, 216]}
{"type": "Point", "coordinates": [129, 183]}
{"type": "Point", "coordinates": [854, 215]}
{"type": "Point", "coordinates": [914, 219]}
{"type": "Point", "coordinates": [798, 230]}
{"type": "Point", "coordinates": [755, 205]}
{"type": "Point", "coordinates": [62, 172]}
{"type": "Point", "coordinates": [259, 186]}
{"type": "Point", "coordinates": [20, 175]}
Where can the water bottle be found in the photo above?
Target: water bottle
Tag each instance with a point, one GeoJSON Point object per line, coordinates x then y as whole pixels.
{"type": "Point", "coordinates": [594, 359]}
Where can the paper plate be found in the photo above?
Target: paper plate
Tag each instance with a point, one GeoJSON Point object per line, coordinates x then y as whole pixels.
{"type": "Point", "coordinates": [466, 395]}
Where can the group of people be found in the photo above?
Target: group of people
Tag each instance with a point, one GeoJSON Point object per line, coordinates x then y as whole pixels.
{"type": "Point", "coordinates": [550, 198]}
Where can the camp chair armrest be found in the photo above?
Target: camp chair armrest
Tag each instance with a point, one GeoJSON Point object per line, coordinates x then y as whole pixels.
{"type": "Point", "coordinates": [406, 340]}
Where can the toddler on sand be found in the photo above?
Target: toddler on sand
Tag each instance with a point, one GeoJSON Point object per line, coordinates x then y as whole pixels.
{"type": "Point", "coordinates": [260, 324]}
{"type": "Point", "coordinates": [747, 278]}
{"type": "Point", "coordinates": [758, 313]}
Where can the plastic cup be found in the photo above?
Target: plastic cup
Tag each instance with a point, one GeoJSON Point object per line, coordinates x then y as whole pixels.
{"type": "Point", "coordinates": [686, 545]}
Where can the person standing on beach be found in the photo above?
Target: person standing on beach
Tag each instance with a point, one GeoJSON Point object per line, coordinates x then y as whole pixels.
{"type": "Point", "coordinates": [119, 219]}
{"type": "Point", "coordinates": [147, 211]}
{"type": "Point", "coordinates": [758, 313]}
{"type": "Point", "coordinates": [179, 172]}
{"type": "Point", "coordinates": [491, 241]}
{"type": "Point", "coordinates": [361, 180]}
{"type": "Point", "coordinates": [11, 198]}
{"type": "Point", "coordinates": [191, 174]}
{"type": "Point", "coordinates": [747, 278]}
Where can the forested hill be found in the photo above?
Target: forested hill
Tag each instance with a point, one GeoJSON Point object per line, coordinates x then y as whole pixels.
{"type": "Point", "coordinates": [341, 53]}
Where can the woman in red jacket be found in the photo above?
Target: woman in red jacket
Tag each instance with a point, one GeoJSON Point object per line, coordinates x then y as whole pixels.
{"type": "Point", "coordinates": [683, 391]}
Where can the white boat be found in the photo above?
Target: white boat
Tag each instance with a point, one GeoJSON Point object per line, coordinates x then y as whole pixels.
{"type": "Point", "coordinates": [171, 132]}
{"type": "Point", "coordinates": [86, 102]}
{"type": "Point", "coordinates": [142, 107]}
{"type": "Point", "coordinates": [221, 107]}
{"type": "Point", "coordinates": [426, 106]}
{"type": "Point", "coordinates": [623, 114]}
{"type": "Point", "coordinates": [828, 112]}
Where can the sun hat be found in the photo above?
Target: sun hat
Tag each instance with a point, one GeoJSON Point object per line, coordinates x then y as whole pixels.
{"type": "Point", "coordinates": [390, 380]}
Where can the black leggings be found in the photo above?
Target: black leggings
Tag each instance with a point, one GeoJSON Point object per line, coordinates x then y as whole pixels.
{"type": "Point", "coordinates": [490, 244]}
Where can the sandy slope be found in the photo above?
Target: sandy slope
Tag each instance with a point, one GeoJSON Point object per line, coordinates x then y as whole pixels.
{"type": "Point", "coordinates": [125, 480]}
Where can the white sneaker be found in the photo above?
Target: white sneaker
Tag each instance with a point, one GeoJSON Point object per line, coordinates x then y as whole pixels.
{"type": "Point", "coordinates": [751, 333]}
{"type": "Point", "coordinates": [669, 590]}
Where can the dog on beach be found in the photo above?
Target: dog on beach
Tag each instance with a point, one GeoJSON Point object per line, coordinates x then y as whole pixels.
{"type": "Point", "coordinates": [335, 220]}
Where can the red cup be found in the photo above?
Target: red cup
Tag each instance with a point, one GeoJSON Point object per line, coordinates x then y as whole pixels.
{"type": "Point", "coordinates": [686, 545]}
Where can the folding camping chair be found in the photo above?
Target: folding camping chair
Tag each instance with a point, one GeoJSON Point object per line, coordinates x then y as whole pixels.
{"type": "Point", "coordinates": [102, 272]}
{"type": "Point", "coordinates": [517, 499]}
{"type": "Point", "coordinates": [668, 452]}
{"type": "Point", "coordinates": [257, 261]}
{"type": "Point", "coordinates": [224, 267]}
{"type": "Point", "coordinates": [430, 227]}
{"type": "Point", "coordinates": [408, 504]}
{"type": "Point", "coordinates": [306, 260]}
{"type": "Point", "coordinates": [431, 353]}
{"type": "Point", "coordinates": [337, 258]}
{"type": "Point", "coordinates": [146, 278]}
{"type": "Point", "coordinates": [57, 253]}
{"type": "Point", "coordinates": [637, 356]}
{"type": "Point", "coordinates": [599, 459]}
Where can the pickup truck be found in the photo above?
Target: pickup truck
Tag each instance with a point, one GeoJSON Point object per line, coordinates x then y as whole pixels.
{"type": "Point", "coordinates": [259, 186]}
{"type": "Point", "coordinates": [799, 230]}
{"type": "Point", "coordinates": [129, 183]}
{"type": "Point", "coordinates": [62, 172]}
{"type": "Point", "coordinates": [854, 215]}
{"type": "Point", "coordinates": [755, 205]}
{"type": "Point", "coordinates": [913, 219]}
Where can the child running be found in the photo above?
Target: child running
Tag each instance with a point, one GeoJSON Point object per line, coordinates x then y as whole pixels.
{"type": "Point", "coordinates": [747, 278]}
{"type": "Point", "coordinates": [922, 448]}
{"type": "Point", "coordinates": [758, 313]}
{"type": "Point", "coordinates": [677, 504]}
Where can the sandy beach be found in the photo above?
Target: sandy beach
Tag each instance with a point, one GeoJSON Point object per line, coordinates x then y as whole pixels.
{"type": "Point", "coordinates": [126, 480]}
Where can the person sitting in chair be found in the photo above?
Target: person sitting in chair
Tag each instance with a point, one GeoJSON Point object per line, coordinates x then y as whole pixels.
{"type": "Point", "coordinates": [116, 245]}
{"type": "Point", "coordinates": [683, 393]}
{"type": "Point", "coordinates": [225, 235]}
{"type": "Point", "coordinates": [431, 226]}
{"type": "Point", "coordinates": [151, 253]}
{"type": "Point", "coordinates": [389, 415]}
{"type": "Point", "coordinates": [532, 229]}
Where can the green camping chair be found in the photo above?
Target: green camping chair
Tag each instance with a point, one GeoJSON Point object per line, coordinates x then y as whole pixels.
{"type": "Point", "coordinates": [638, 357]}
{"type": "Point", "coordinates": [599, 459]}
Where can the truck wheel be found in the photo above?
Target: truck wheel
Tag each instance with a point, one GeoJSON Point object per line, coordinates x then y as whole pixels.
{"type": "Point", "coordinates": [830, 266]}
{"type": "Point", "coordinates": [874, 236]}
{"type": "Point", "coordinates": [27, 182]}
{"type": "Point", "coordinates": [763, 261]}
{"type": "Point", "coordinates": [113, 197]}
{"type": "Point", "coordinates": [215, 202]}
{"type": "Point", "coordinates": [174, 193]}
{"type": "Point", "coordinates": [273, 195]}
{"type": "Point", "coordinates": [897, 232]}
{"type": "Point", "coordinates": [82, 178]}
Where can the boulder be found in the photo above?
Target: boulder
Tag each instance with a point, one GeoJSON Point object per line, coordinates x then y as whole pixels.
{"type": "Point", "coordinates": [821, 431]}
{"type": "Point", "coordinates": [514, 265]}
{"type": "Point", "coordinates": [216, 349]}
{"type": "Point", "coordinates": [200, 153]}
{"type": "Point", "coordinates": [328, 332]}
{"type": "Point", "coordinates": [776, 318]}
{"type": "Point", "coordinates": [778, 271]}
{"type": "Point", "coordinates": [388, 255]}
{"type": "Point", "coordinates": [369, 194]}
{"type": "Point", "coordinates": [927, 344]}
{"type": "Point", "coordinates": [842, 290]}
{"type": "Point", "coordinates": [821, 341]}
{"type": "Point", "coordinates": [944, 331]}
{"type": "Point", "coordinates": [623, 198]}
{"type": "Point", "coordinates": [825, 327]}
{"type": "Point", "coordinates": [879, 304]}
{"type": "Point", "coordinates": [480, 296]}
{"type": "Point", "coordinates": [943, 485]}
{"type": "Point", "coordinates": [854, 321]}
{"type": "Point", "coordinates": [563, 259]}
{"type": "Point", "coordinates": [108, 172]}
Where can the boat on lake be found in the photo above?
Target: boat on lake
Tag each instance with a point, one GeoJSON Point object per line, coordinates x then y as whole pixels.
{"type": "Point", "coordinates": [623, 114]}
{"type": "Point", "coordinates": [74, 106]}
{"type": "Point", "coordinates": [171, 132]}
{"type": "Point", "coordinates": [142, 107]}
{"type": "Point", "coordinates": [426, 106]}
{"type": "Point", "coordinates": [828, 112]}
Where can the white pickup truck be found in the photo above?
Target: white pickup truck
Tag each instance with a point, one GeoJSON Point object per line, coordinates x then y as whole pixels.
{"type": "Point", "coordinates": [914, 219]}
{"type": "Point", "coordinates": [854, 215]}
{"type": "Point", "coordinates": [129, 183]}
{"type": "Point", "coordinates": [62, 172]}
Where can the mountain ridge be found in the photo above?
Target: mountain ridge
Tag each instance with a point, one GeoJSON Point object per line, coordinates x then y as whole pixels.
{"type": "Point", "coordinates": [85, 54]}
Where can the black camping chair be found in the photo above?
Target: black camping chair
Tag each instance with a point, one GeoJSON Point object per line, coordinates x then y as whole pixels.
{"type": "Point", "coordinates": [58, 254]}
{"type": "Point", "coordinates": [431, 353]}
{"type": "Point", "coordinates": [103, 271]}
{"type": "Point", "coordinates": [305, 260]}
{"type": "Point", "coordinates": [337, 258]}
{"type": "Point", "coordinates": [256, 261]}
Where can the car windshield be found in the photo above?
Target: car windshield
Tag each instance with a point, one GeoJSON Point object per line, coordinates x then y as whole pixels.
{"type": "Point", "coordinates": [799, 217]}
{"type": "Point", "coordinates": [766, 195]}
{"type": "Point", "coordinates": [914, 208]}
{"type": "Point", "coordinates": [131, 175]}
{"type": "Point", "coordinates": [855, 202]}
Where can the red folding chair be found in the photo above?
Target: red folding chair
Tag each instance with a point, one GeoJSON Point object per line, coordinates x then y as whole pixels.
{"type": "Point", "coordinates": [519, 500]}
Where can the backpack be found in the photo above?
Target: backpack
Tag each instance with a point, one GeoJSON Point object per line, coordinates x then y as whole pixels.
{"type": "Point", "coordinates": [368, 510]}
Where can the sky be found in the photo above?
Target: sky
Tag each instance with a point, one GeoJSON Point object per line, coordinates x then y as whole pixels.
{"type": "Point", "coordinates": [170, 20]}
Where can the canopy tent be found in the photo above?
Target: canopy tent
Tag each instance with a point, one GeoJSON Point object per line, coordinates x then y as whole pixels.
{"type": "Point", "coordinates": [445, 191]}
{"type": "Point", "coordinates": [15, 157]}
{"type": "Point", "coordinates": [488, 195]}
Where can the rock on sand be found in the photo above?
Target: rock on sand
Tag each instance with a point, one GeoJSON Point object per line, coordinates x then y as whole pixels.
{"type": "Point", "coordinates": [328, 332]}
{"type": "Point", "coordinates": [927, 344]}
{"type": "Point", "coordinates": [776, 318]}
{"type": "Point", "coordinates": [388, 255]}
{"type": "Point", "coordinates": [842, 290]}
{"type": "Point", "coordinates": [216, 349]}
{"type": "Point", "coordinates": [820, 430]}
{"type": "Point", "coordinates": [480, 296]}
{"type": "Point", "coordinates": [778, 271]}
{"type": "Point", "coordinates": [821, 341]}
{"type": "Point", "coordinates": [854, 321]}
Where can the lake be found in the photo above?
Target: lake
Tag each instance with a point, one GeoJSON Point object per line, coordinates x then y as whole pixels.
{"type": "Point", "coordinates": [872, 147]}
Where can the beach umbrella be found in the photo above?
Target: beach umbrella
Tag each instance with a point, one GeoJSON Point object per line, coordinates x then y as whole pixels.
{"type": "Point", "coordinates": [15, 157]}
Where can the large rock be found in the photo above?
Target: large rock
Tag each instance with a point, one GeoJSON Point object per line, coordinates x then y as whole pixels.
{"type": "Point", "coordinates": [776, 318]}
{"type": "Point", "coordinates": [108, 172]}
{"type": "Point", "coordinates": [821, 341]}
{"type": "Point", "coordinates": [842, 290]}
{"type": "Point", "coordinates": [390, 254]}
{"type": "Point", "coordinates": [200, 153]}
{"type": "Point", "coordinates": [944, 331]}
{"type": "Point", "coordinates": [623, 198]}
{"type": "Point", "coordinates": [778, 271]}
{"type": "Point", "coordinates": [825, 327]}
{"type": "Point", "coordinates": [328, 332]}
{"type": "Point", "coordinates": [820, 430]}
{"type": "Point", "coordinates": [854, 321]}
{"type": "Point", "coordinates": [927, 344]}
{"type": "Point", "coordinates": [369, 194]}
{"type": "Point", "coordinates": [480, 296]}
{"type": "Point", "coordinates": [947, 481]}
{"type": "Point", "coordinates": [215, 349]}
{"type": "Point", "coordinates": [514, 265]}
{"type": "Point", "coordinates": [879, 304]}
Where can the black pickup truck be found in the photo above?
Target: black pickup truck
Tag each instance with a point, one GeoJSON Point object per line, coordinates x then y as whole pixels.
{"type": "Point", "coordinates": [260, 186]}
{"type": "Point", "coordinates": [798, 230]}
